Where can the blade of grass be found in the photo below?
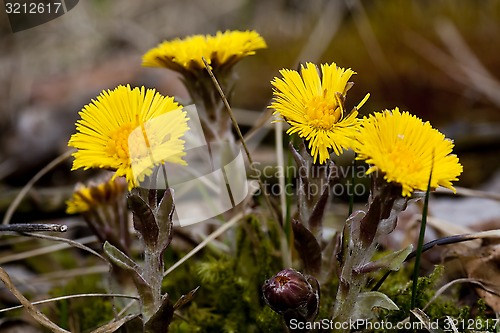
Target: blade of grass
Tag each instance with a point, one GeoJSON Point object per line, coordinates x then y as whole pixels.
{"type": "Point", "coordinates": [421, 239]}
{"type": "Point", "coordinates": [12, 208]}
{"type": "Point", "coordinates": [55, 299]}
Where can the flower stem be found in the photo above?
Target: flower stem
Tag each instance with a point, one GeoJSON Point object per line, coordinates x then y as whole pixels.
{"type": "Point", "coordinates": [153, 275]}
{"type": "Point", "coordinates": [361, 236]}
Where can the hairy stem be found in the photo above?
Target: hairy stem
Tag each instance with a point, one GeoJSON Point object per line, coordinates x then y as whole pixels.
{"type": "Point", "coordinates": [360, 242]}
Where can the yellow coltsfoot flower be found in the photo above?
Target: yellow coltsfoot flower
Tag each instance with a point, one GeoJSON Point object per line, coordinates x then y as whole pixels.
{"type": "Point", "coordinates": [129, 131]}
{"type": "Point", "coordinates": [222, 50]}
{"type": "Point", "coordinates": [312, 102]}
{"type": "Point", "coordinates": [404, 149]}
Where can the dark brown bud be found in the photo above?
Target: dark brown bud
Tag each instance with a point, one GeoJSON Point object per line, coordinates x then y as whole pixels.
{"type": "Point", "coordinates": [292, 294]}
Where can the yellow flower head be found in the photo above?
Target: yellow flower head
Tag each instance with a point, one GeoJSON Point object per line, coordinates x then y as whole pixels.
{"type": "Point", "coordinates": [89, 198]}
{"type": "Point", "coordinates": [313, 104]}
{"type": "Point", "coordinates": [404, 149]}
{"type": "Point", "coordinates": [222, 50]}
{"type": "Point", "coordinates": [130, 131]}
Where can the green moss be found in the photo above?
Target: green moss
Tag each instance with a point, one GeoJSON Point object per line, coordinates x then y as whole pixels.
{"type": "Point", "coordinates": [269, 321]}
{"type": "Point", "coordinates": [229, 299]}
{"type": "Point", "coordinates": [398, 288]}
{"type": "Point", "coordinates": [327, 298]}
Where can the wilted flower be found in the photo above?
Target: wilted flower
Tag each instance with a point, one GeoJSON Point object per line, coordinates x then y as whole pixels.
{"type": "Point", "coordinates": [104, 208]}
{"type": "Point", "coordinates": [404, 149]}
{"type": "Point", "coordinates": [292, 294]}
{"type": "Point", "coordinates": [312, 102]}
{"type": "Point", "coordinates": [86, 198]}
{"type": "Point", "coordinates": [129, 131]}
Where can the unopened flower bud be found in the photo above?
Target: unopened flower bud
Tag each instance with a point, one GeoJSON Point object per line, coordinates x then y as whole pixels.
{"type": "Point", "coordinates": [292, 294]}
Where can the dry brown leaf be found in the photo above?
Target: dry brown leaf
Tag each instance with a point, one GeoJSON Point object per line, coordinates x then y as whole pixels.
{"type": "Point", "coordinates": [483, 265]}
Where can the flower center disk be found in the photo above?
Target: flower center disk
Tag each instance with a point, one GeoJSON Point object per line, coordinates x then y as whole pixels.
{"type": "Point", "coordinates": [322, 113]}
{"type": "Point", "coordinates": [117, 145]}
{"type": "Point", "coordinates": [403, 156]}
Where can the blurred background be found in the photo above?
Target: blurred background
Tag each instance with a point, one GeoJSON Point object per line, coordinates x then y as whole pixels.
{"type": "Point", "coordinates": [437, 59]}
